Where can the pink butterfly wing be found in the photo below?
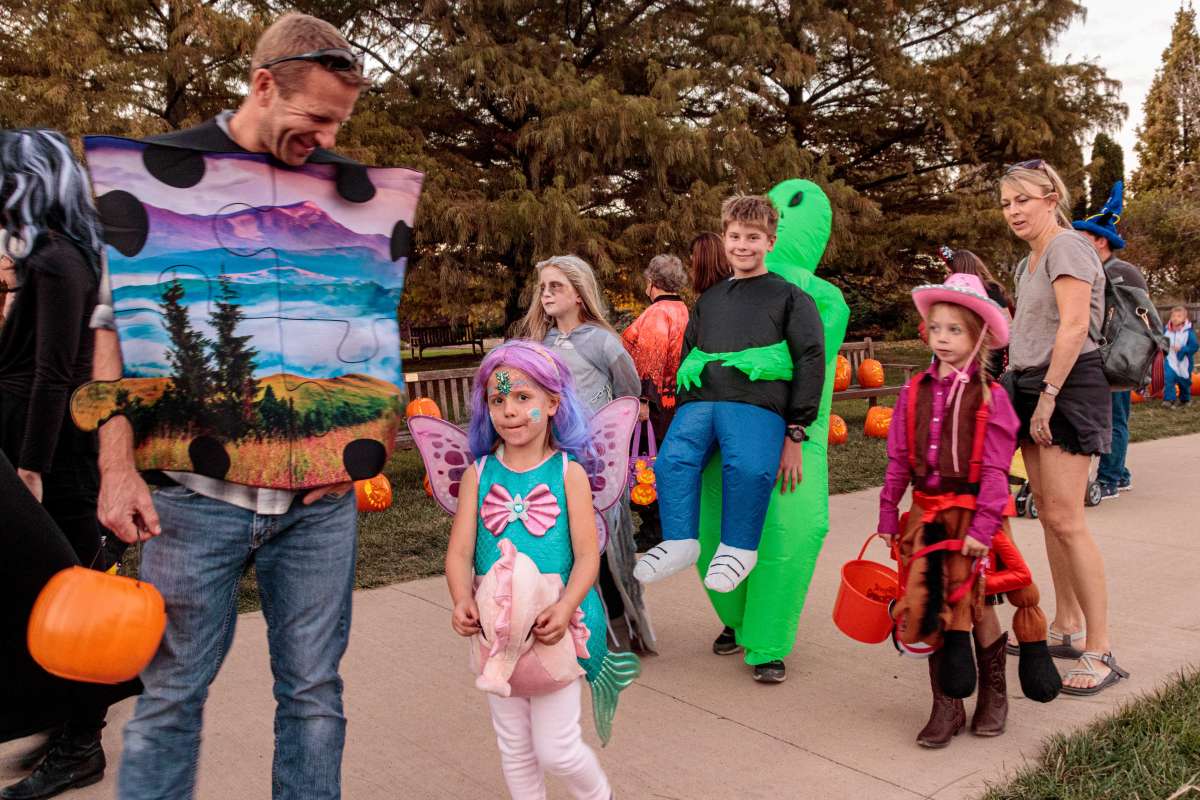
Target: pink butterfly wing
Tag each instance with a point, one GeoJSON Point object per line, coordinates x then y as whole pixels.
{"type": "Point", "coordinates": [443, 447]}
{"type": "Point", "coordinates": [612, 429]}
{"type": "Point", "coordinates": [601, 531]}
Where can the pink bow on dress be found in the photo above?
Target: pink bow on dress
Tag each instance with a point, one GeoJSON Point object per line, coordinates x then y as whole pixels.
{"type": "Point", "coordinates": [538, 510]}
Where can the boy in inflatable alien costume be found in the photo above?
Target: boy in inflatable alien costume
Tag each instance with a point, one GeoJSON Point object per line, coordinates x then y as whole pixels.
{"type": "Point", "coordinates": [749, 384]}
{"type": "Point", "coordinates": [761, 615]}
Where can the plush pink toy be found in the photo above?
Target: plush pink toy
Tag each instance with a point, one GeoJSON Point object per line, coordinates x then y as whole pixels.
{"type": "Point", "coordinates": [505, 655]}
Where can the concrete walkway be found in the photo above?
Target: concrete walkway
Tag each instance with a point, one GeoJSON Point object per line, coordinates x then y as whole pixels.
{"type": "Point", "coordinates": [695, 725]}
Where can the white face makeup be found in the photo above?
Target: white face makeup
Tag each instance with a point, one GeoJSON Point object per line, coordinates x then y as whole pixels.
{"type": "Point", "coordinates": [557, 294]}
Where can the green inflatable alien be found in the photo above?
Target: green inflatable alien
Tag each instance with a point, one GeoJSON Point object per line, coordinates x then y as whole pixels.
{"type": "Point", "coordinates": [765, 609]}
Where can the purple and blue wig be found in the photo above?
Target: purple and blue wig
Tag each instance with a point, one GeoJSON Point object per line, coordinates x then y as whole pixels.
{"type": "Point", "coordinates": [569, 425]}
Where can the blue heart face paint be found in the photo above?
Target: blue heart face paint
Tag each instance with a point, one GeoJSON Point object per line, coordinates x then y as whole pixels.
{"type": "Point", "coordinates": [535, 415]}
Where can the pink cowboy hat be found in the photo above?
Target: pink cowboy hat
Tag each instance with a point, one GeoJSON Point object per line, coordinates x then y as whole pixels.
{"type": "Point", "coordinates": [966, 291]}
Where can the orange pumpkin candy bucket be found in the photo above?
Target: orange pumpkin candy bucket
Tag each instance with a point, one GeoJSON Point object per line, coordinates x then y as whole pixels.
{"type": "Point", "coordinates": [95, 627]}
{"type": "Point", "coordinates": [867, 588]}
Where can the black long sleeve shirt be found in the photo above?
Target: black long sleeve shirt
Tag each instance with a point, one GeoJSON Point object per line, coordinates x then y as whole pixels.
{"type": "Point", "coordinates": [46, 346]}
{"type": "Point", "coordinates": [741, 313]}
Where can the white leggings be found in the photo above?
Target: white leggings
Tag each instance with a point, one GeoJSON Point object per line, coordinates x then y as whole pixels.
{"type": "Point", "coordinates": [542, 733]}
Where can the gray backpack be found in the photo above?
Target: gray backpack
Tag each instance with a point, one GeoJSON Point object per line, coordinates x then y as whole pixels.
{"type": "Point", "coordinates": [1130, 335]}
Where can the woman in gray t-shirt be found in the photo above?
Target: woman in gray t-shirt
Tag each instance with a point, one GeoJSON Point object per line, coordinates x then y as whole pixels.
{"type": "Point", "coordinates": [1062, 399]}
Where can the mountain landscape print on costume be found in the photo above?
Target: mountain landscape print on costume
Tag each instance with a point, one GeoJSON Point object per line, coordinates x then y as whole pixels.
{"type": "Point", "coordinates": [257, 312]}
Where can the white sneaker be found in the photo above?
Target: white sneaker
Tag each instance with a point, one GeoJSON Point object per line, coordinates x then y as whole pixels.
{"type": "Point", "coordinates": [666, 559]}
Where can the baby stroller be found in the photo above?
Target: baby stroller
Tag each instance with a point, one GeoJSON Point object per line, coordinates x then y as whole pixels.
{"type": "Point", "coordinates": [1024, 502]}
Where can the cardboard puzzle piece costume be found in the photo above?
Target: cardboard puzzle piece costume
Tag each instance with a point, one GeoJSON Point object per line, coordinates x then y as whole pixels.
{"type": "Point", "coordinates": [255, 305]}
{"type": "Point", "coordinates": [522, 516]}
{"type": "Point", "coordinates": [765, 609]}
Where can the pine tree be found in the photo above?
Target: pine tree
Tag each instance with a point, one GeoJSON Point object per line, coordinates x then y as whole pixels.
{"type": "Point", "coordinates": [192, 379]}
{"type": "Point", "coordinates": [234, 362]}
{"type": "Point", "coordinates": [129, 67]}
{"type": "Point", "coordinates": [1169, 136]}
{"type": "Point", "coordinates": [1107, 167]}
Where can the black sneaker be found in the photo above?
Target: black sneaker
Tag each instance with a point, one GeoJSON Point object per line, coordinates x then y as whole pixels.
{"type": "Point", "coordinates": [1108, 491]}
{"type": "Point", "coordinates": [726, 644]}
{"type": "Point", "coordinates": [1125, 486]}
{"type": "Point", "coordinates": [770, 672]}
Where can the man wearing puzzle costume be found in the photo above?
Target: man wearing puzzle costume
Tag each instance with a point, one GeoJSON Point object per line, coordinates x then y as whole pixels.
{"type": "Point", "coordinates": [256, 308]}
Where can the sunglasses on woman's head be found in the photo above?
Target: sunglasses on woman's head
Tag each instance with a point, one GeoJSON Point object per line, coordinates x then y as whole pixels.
{"type": "Point", "coordinates": [1033, 163]}
{"type": "Point", "coordinates": [334, 59]}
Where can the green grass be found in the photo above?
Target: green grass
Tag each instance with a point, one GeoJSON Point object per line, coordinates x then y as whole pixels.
{"type": "Point", "coordinates": [1150, 748]}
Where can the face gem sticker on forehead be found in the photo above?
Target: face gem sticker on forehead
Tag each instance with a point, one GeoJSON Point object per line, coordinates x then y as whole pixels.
{"type": "Point", "coordinates": [503, 383]}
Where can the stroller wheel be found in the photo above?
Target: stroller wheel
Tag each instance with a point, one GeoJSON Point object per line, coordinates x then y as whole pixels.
{"type": "Point", "coordinates": [1092, 498]}
{"type": "Point", "coordinates": [1033, 512]}
{"type": "Point", "coordinates": [1021, 501]}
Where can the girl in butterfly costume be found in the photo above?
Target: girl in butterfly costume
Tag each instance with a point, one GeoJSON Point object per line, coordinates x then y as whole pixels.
{"type": "Point", "coordinates": [526, 487]}
{"type": "Point", "coordinates": [953, 437]}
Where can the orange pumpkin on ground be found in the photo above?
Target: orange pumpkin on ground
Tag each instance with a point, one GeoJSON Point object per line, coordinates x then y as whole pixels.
{"type": "Point", "coordinates": [870, 374]}
{"type": "Point", "coordinates": [1195, 383]}
{"type": "Point", "coordinates": [879, 420]}
{"type": "Point", "coordinates": [373, 494]}
{"type": "Point", "coordinates": [425, 483]}
{"type": "Point", "coordinates": [422, 405]}
{"type": "Point", "coordinates": [91, 626]}
{"type": "Point", "coordinates": [841, 374]}
{"type": "Point", "coordinates": [838, 433]}
{"type": "Point", "coordinates": [1136, 397]}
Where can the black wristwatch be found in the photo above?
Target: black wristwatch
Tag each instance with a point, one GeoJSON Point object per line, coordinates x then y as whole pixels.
{"type": "Point", "coordinates": [797, 433]}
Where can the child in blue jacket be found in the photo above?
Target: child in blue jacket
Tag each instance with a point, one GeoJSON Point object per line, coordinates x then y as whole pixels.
{"type": "Point", "coordinates": [1177, 364]}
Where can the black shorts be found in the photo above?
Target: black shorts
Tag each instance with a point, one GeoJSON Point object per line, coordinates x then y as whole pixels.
{"type": "Point", "coordinates": [1082, 418]}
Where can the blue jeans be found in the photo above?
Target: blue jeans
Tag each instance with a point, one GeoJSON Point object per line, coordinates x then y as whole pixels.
{"type": "Point", "coordinates": [1113, 471]}
{"type": "Point", "coordinates": [750, 439]}
{"type": "Point", "coordinates": [304, 561]}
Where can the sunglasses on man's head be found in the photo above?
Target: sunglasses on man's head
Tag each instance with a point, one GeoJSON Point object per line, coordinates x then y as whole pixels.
{"type": "Point", "coordinates": [334, 59]}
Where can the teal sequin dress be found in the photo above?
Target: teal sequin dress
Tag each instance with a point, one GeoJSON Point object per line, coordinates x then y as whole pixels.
{"type": "Point", "coordinates": [607, 672]}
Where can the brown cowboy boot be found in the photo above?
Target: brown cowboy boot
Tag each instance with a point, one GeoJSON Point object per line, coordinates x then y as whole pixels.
{"type": "Point", "coordinates": [991, 704]}
{"type": "Point", "coordinates": [947, 718]}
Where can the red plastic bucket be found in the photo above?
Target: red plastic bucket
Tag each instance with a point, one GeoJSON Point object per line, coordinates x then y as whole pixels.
{"type": "Point", "coordinates": [861, 609]}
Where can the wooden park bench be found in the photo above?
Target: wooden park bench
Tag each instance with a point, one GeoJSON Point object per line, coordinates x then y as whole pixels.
{"type": "Point", "coordinates": [856, 353]}
{"type": "Point", "coordinates": [422, 337]}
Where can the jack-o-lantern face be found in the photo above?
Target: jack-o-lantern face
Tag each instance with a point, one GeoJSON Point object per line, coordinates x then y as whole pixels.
{"type": "Point", "coordinates": [870, 374]}
{"type": "Point", "coordinates": [879, 420]}
{"type": "Point", "coordinates": [422, 405]}
{"type": "Point", "coordinates": [841, 374]}
{"type": "Point", "coordinates": [373, 494]}
{"type": "Point", "coordinates": [838, 433]}
{"type": "Point", "coordinates": [643, 494]}
{"type": "Point", "coordinates": [90, 626]}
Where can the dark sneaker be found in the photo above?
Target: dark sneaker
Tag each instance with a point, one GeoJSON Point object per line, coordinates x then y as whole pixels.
{"type": "Point", "coordinates": [726, 644]}
{"type": "Point", "coordinates": [770, 672]}
{"type": "Point", "coordinates": [1168, 404]}
{"type": "Point", "coordinates": [1125, 486]}
{"type": "Point", "coordinates": [1108, 491]}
